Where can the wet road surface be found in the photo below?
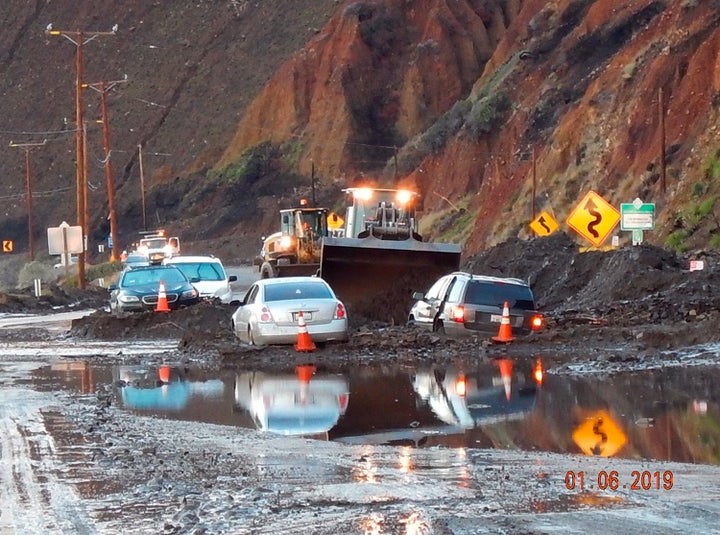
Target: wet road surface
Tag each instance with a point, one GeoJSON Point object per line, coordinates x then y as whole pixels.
{"type": "Point", "coordinates": [110, 447]}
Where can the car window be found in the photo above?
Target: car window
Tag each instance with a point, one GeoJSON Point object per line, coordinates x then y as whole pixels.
{"type": "Point", "coordinates": [152, 276]}
{"type": "Point", "coordinates": [252, 293]}
{"type": "Point", "coordinates": [437, 290]}
{"type": "Point", "coordinates": [206, 271]}
{"type": "Point", "coordinates": [296, 290]}
{"type": "Point", "coordinates": [496, 293]}
{"type": "Point", "coordinates": [455, 293]}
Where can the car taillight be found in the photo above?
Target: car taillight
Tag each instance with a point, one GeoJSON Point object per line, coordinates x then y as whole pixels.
{"type": "Point", "coordinates": [537, 322]}
{"type": "Point", "coordinates": [343, 401]}
{"type": "Point", "coordinates": [458, 314]}
{"type": "Point", "coordinates": [339, 311]}
{"type": "Point", "coordinates": [265, 315]}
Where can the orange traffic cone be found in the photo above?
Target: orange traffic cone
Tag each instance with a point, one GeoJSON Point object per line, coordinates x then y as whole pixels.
{"type": "Point", "coordinates": [505, 333]}
{"type": "Point", "coordinates": [164, 374]}
{"type": "Point", "coordinates": [304, 342]}
{"type": "Point", "coordinates": [162, 303]}
{"type": "Point", "coordinates": [506, 374]}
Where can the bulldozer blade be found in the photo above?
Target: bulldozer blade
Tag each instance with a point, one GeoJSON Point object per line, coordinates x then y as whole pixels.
{"type": "Point", "coordinates": [375, 279]}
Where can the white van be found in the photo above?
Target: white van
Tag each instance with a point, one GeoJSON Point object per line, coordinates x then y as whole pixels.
{"type": "Point", "coordinates": [207, 274]}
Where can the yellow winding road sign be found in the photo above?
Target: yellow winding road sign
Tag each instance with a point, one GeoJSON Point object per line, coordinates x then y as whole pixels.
{"type": "Point", "coordinates": [544, 224]}
{"type": "Point", "coordinates": [594, 218]}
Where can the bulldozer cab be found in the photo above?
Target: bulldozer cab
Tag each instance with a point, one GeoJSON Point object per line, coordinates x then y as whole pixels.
{"type": "Point", "coordinates": [304, 223]}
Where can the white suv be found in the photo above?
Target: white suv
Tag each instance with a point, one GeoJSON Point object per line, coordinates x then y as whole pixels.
{"type": "Point", "coordinates": [207, 274]}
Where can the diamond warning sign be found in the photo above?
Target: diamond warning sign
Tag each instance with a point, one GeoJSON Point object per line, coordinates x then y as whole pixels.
{"type": "Point", "coordinates": [594, 218]}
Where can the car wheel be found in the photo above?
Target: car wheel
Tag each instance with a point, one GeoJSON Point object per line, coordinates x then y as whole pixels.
{"type": "Point", "coordinates": [411, 321]}
{"type": "Point", "coordinates": [267, 271]}
{"type": "Point", "coordinates": [439, 327]}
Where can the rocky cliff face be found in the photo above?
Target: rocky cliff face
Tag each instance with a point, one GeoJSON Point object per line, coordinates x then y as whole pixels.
{"type": "Point", "coordinates": [236, 104]}
{"type": "Point", "coordinates": [468, 100]}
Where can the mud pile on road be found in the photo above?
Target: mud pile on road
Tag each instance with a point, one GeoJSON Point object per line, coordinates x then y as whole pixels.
{"type": "Point", "coordinates": [632, 299]}
{"type": "Point", "coordinates": [53, 298]}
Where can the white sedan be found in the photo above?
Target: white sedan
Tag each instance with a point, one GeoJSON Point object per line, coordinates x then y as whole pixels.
{"type": "Point", "coordinates": [270, 312]}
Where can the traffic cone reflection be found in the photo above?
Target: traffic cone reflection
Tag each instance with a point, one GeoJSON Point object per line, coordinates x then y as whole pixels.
{"type": "Point", "coordinates": [304, 373]}
{"type": "Point", "coordinates": [164, 374]}
{"type": "Point", "coordinates": [505, 332]}
{"type": "Point", "coordinates": [304, 342]}
{"type": "Point", "coordinates": [505, 366]}
{"type": "Point", "coordinates": [162, 303]}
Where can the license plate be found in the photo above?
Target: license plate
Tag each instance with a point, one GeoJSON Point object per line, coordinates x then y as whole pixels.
{"type": "Point", "coordinates": [307, 316]}
{"type": "Point", "coordinates": [496, 318]}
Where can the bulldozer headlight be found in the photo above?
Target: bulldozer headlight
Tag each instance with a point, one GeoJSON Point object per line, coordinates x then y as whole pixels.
{"type": "Point", "coordinates": [403, 197]}
{"type": "Point", "coordinates": [363, 194]}
{"type": "Point", "coordinates": [286, 242]}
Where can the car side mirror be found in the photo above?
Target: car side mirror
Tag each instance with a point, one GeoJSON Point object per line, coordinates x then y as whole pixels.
{"type": "Point", "coordinates": [195, 279]}
{"type": "Point", "coordinates": [112, 287]}
{"type": "Point", "coordinates": [418, 296]}
{"type": "Point", "coordinates": [232, 278]}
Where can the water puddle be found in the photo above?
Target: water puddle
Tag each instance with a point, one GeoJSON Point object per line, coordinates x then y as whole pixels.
{"type": "Point", "coordinates": [662, 414]}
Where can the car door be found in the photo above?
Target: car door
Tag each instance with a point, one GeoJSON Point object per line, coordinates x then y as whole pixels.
{"type": "Point", "coordinates": [427, 308]}
{"type": "Point", "coordinates": [244, 313]}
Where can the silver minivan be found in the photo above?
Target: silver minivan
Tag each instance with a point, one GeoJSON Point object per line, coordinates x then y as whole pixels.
{"type": "Point", "coordinates": [462, 304]}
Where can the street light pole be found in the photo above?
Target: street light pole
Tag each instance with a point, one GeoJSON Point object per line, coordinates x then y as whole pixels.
{"type": "Point", "coordinates": [142, 186]}
{"type": "Point", "coordinates": [103, 87]}
{"type": "Point", "coordinates": [28, 186]}
{"type": "Point", "coordinates": [79, 38]}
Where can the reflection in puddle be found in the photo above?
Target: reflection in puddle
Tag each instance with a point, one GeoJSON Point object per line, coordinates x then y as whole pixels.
{"type": "Point", "coordinates": [670, 414]}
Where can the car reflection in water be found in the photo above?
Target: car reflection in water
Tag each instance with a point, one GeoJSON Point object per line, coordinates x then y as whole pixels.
{"type": "Point", "coordinates": [163, 389]}
{"type": "Point", "coordinates": [304, 403]}
{"type": "Point", "coordinates": [480, 398]}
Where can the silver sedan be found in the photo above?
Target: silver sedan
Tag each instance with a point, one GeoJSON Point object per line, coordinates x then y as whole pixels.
{"type": "Point", "coordinates": [270, 312]}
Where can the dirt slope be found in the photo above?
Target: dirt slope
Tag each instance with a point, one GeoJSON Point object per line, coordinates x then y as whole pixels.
{"type": "Point", "coordinates": [454, 97]}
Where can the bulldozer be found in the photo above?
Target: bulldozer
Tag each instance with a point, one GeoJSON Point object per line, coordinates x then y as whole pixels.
{"type": "Point", "coordinates": [382, 259]}
{"type": "Point", "coordinates": [296, 248]}
{"type": "Point", "coordinates": [374, 264]}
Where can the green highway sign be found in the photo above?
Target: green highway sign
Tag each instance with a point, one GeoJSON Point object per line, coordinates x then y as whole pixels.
{"type": "Point", "coordinates": [637, 215]}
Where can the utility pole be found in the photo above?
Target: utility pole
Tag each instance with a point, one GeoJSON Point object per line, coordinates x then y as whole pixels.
{"type": "Point", "coordinates": [79, 38]}
{"type": "Point", "coordinates": [142, 179]}
{"type": "Point", "coordinates": [103, 88]}
{"type": "Point", "coordinates": [142, 186]}
{"type": "Point", "coordinates": [28, 186]}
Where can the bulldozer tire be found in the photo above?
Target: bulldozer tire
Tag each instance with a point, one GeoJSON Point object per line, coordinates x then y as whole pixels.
{"type": "Point", "coordinates": [267, 271]}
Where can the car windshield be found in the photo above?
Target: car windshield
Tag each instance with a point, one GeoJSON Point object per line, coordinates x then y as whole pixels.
{"type": "Point", "coordinates": [496, 293]}
{"type": "Point", "coordinates": [296, 290]}
{"type": "Point", "coordinates": [154, 243]}
{"type": "Point", "coordinates": [143, 277]}
{"type": "Point", "coordinates": [205, 271]}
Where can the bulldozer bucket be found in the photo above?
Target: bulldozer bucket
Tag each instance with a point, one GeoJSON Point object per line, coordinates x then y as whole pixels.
{"type": "Point", "coordinates": [376, 278]}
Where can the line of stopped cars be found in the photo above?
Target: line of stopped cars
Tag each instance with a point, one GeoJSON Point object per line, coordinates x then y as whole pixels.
{"type": "Point", "coordinates": [457, 304]}
{"type": "Point", "coordinates": [186, 280]}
